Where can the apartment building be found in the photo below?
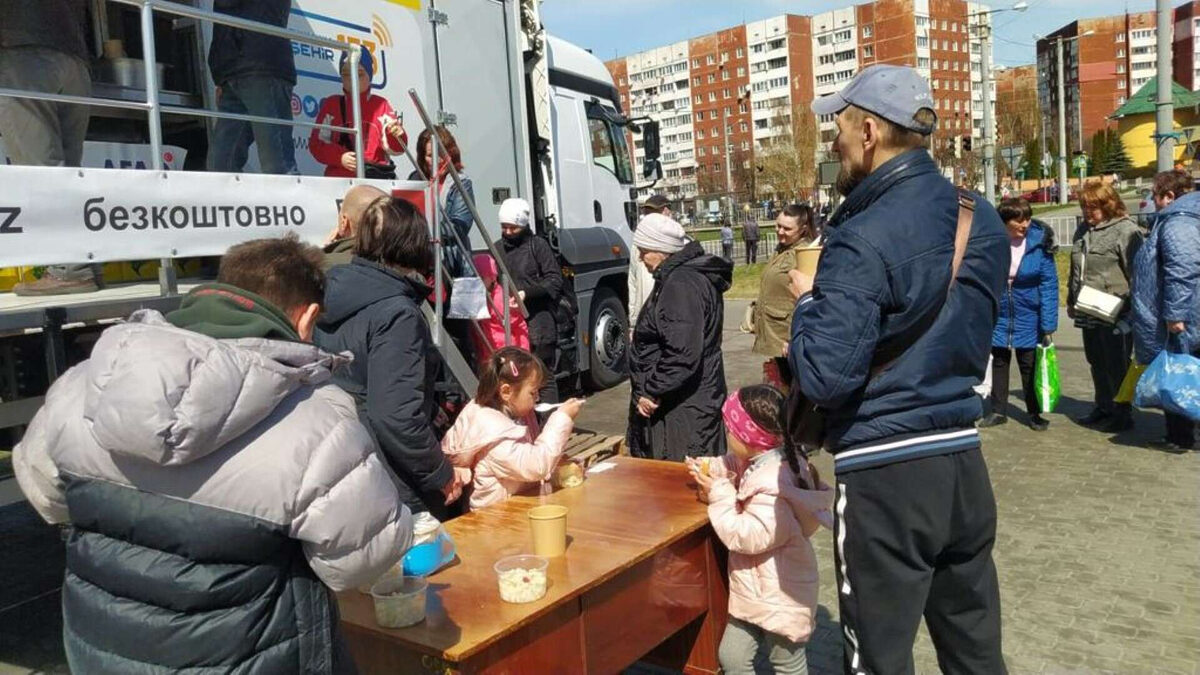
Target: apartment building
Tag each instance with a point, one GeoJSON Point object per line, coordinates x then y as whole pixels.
{"type": "Point", "coordinates": [1105, 61]}
{"type": "Point", "coordinates": [741, 87]}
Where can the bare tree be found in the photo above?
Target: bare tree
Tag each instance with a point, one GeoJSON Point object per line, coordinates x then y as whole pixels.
{"type": "Point", "coordinates": [787, 161]}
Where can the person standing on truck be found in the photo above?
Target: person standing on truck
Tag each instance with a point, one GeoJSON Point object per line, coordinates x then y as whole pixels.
{"type": "Point", "coordinates": [887, 343]}
{"type": "Point", "coordinates": [539, 280]}
{"type": "Point", "coordinates": [339, 246]}
{"type": "Point", "coordinates": [640, 281]}
{"type": "Point", "coordinates": [217, 485]}
{"type": "Point", "coordinates": [43, 48]}
{"type": "Point", "coordinates": [750, 237]}
{"type": "Point", "coordinates": [452, 204]}
{"type": "Point", "coordinates": [254, 74]}
{"type": "Point", "coordinates": [383, 130]}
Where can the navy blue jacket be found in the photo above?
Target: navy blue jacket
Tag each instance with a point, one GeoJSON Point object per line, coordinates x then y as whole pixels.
{"type": "Point", "coordinates": [1030, 306]}
{"type": "Point", "coordinates": [1166, 278]}
{"type": "Point", "coordinates": [886, 267]}
{"type": "Point", "coordinates": [238, 53]}
{"type": "Point", "coordinates": [375, 313]}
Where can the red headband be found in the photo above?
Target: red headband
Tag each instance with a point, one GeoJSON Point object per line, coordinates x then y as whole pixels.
{"type": "Point", "coordinates": [739, 423]}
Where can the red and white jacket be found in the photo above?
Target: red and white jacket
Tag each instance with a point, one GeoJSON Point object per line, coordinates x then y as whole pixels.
{"type": "Point", "coordinates": [326, 147]}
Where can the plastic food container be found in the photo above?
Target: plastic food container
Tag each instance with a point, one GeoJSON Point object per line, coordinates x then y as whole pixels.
{"type": "Point", "coordinates": [522, 578]}
{"type": "Point", "coordinates": [399, 601]}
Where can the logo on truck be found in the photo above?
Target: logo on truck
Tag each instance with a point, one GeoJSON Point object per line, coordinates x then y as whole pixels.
{"type": "Point", "coordinates": [8, 216]}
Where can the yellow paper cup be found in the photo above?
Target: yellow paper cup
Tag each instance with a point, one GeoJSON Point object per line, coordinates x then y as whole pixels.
{"type": "Point", "coordinates": [806, 260]}
{"type": "Point", "coordinates": [549, 525]}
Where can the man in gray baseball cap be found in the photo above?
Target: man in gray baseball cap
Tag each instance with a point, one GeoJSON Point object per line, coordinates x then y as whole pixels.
{"type": "Point", "coordinates": [887, 348]}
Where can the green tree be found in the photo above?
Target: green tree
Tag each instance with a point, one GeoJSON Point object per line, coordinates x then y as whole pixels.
{"type": "Point", "coordinates": [1033, 159]}
{"type": "Point", "coordinates": [1116, 160]}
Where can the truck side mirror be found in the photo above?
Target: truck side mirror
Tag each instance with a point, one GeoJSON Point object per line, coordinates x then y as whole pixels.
{"type": "Point", "coordinates": [650, 141]}
{"type": "Point", "coordinates": [652, 167]}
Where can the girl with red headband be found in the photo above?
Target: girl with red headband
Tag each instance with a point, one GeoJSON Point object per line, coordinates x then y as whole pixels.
{"type": "Point", "coordinates": [764, 501]}
{"type": "Point", "coordinates": [496, 437]}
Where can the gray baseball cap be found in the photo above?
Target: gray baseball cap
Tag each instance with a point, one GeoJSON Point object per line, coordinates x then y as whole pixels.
{"type": "Point", "coordinates": [895, 93]}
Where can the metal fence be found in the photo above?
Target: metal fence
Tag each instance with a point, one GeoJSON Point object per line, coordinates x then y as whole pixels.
{"type": "Point", "coordinates": [766, 246]}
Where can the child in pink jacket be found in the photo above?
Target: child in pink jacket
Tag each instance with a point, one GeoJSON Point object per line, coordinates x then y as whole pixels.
{"type": "Point", "coordinates": [493, 326]}
{"type": "Point", "coordinates": [764, 503]}
{"type": "Point", "coordinates": [496, 434]}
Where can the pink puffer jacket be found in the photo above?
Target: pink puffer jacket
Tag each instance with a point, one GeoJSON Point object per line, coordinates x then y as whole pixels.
{"type": "Point", "coordinates": [504, 454]}
{"type": "Point", "coordinates": [766, 521]}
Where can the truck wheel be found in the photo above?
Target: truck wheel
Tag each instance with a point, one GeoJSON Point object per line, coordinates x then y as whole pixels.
{"type": "Point", "coordinates": [609, 355]}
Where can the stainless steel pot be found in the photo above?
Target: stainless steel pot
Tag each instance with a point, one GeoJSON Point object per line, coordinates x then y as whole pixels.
{"type": "Point", "coordinates": [126, 72]}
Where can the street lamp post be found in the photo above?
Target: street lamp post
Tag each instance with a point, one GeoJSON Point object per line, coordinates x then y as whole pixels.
{"type": "Point", "coordinates": [989, 135]}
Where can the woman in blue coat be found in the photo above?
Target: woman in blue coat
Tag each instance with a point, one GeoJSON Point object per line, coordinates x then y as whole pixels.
{"type": "Point", "coordinates": [1028, 310]}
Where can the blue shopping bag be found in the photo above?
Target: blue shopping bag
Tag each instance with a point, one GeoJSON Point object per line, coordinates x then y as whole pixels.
{"type": "Point", "coordinates": [1172, 381]}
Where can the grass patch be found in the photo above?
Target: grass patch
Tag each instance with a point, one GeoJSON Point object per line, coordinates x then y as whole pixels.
{"type": "Point", "coordinates": [1062, 260]}
{"type": "Point", "coordinates": [745, 281]}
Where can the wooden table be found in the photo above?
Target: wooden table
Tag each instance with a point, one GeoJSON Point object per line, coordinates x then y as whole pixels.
{"type": "Point", "coordinates": [643, 579]}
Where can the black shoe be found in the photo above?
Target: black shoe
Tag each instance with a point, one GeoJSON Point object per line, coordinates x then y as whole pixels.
{"type": "Point", "coordinates": [992, 420]}
{"type": "Point", "coordinates": [1038, 423]}
{"type": "Point", "coordinates": [1117, 424]}
{"type": "Point", "coordinates": [1095, 417]}
{"type": "Point", "coordinates": [1164, 445]}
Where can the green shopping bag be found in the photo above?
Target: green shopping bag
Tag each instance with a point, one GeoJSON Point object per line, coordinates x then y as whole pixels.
{"type": "Point", "coordinates": [1045, 378]}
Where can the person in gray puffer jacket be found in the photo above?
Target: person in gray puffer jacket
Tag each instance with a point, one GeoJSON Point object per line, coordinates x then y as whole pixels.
{"type": "Point", "coordinates": [216, 486]}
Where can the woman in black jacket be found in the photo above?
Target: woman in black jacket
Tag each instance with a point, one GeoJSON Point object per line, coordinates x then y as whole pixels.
{"type": "Point", "coordinates": [538, 278]}
{"type": "Point", "coordinates": [677, 371]}
{"type": "Point", "coordinates": [372, 309]}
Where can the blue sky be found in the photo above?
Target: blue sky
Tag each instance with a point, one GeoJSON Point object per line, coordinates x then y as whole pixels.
{"type": "Point", "coordinates": [620, 27]}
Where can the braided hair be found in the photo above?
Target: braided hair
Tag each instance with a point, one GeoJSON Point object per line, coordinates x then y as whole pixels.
{"type": "Point", "coordinates": [765, 405]}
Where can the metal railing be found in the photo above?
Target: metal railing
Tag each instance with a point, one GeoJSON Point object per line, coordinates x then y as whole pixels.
{"type": "Point", "coordinates": [440, 153]}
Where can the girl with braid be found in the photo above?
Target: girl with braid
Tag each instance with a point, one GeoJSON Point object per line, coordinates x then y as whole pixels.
{"type": "Point", "coordinates": [765, 500]}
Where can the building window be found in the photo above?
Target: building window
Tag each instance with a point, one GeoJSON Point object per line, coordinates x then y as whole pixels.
{"type": "Point", "coordinates": [824, 60]}
{"type": "Point", "coordinates": [724, 57]}
{"type": "Point", "coordinates": [725, 93]}
{"type": "Point", "coordinates": [1120, 37]}
{"type": "Point", "coordinates": [922, 41]}
{"type": "Point", "coordinates": [743, 127]}
{"type": "Point", "coordinates": [1121, 53]}
{"type": "Point", "coordinates": [1120, 67]}
{"type": "Point", "coordinates": [1121, 84]}
{"type": "Point", "coordinates": [741, 71]}
{"type": "Point", "coordinates": [944, 24]}
{"type": "Point", "coordinates": [710, 60]}
{"type": "Point", "coordinates": [724, 75]}
{"type": "Point", "coordinates": [866, 31]}
{"type": "Point", "coordinates": [699, 99]}
{"type": "Point", "coordinates": [869, 52]}
{"type": "Point", "coordinates": [922, 62]}
{"type": "Point", "coordinates": [1121, 100]}
{"type": "Point", "coordinates": [822, 40]}
{"type": "Point", "coordinates": [841, 36]}
{"type": "Point", "coordinates": [953, 26]}
{"type": "Point", "coordinates": [712, 96]}
{"type": "Point", "coordinates": [741, 52]}
{"type": "Point", "coordinates": [695, 63]}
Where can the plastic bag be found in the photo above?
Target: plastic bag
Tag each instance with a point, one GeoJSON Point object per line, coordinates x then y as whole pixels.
{"type": "Point", "coordinates": [1045, 378]}
{"type": "Point", "coordinates": [469, 299]}
{"type": "Point", "coordinates": [1172, 381]}
{"type": "Point", "coordinates": [1129, 384]}
{"type": "Point", "coordinates": [984, 388]}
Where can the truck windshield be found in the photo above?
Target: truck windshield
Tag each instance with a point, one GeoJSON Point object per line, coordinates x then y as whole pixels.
{"type": "Point", "coordinates": [609, 148]}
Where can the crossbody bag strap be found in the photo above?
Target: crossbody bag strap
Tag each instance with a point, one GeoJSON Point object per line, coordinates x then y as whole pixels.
{"type": "Point", "coordinates": [888, 355]}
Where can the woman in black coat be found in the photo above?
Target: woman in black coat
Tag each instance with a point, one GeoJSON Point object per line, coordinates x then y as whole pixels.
{"type": "Point", "coordinates": [676, 367]}
{"type": "Point", "coordinates": [372, 309]}
{"type": "Point", "coordinates": [538, 278]}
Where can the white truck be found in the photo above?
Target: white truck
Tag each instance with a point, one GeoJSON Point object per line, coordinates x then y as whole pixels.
{"type": "Point", "coordinates": [534, 117]}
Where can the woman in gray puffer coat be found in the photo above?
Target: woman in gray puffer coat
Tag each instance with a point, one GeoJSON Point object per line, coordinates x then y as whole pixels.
{"type": "Point", "coordinates": [1102, 258]}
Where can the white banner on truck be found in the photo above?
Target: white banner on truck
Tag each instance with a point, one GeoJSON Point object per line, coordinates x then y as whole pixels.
{"type": "Point", "coordinates": [51, 215]}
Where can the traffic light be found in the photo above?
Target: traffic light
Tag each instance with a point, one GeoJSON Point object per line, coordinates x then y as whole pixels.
{"type": "Point", "coordinates": [966, 143]}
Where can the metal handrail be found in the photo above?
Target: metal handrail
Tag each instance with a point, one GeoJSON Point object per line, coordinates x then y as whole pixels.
{"type": "Point", "coordinates": [505, 276]}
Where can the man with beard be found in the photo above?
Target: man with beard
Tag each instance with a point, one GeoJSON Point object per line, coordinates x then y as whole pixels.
{"type": "Point", "coordinates": [886, 343]}
{"type": "Point", "coordinates": [538, 277]}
